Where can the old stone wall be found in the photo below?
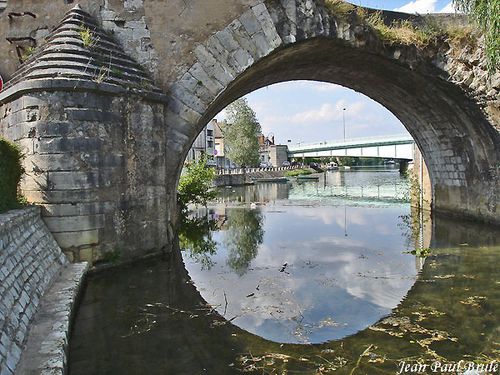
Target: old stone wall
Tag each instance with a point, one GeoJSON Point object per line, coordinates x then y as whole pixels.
{"type": "Point", "coordinates": [30, 260]}
{"type": "Point", "coordinates": [246, 178]}
{"type": "Point", "coordinates": [420, 182]}
{"type": "Point", "coordinates": [96, 165]}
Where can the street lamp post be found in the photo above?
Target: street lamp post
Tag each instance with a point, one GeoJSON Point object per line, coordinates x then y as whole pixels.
{"type": "Point", "coordinates": [343, 120]}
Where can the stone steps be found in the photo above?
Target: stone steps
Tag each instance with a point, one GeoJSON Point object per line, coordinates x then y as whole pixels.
{"type": "Point", "coordinates": [66, 55]}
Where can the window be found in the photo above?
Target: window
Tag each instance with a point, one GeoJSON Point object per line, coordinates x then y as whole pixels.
{"type": "Point", "coordinates": [210, 133]}
{"type": "Point", "coordinates": [210, 144]}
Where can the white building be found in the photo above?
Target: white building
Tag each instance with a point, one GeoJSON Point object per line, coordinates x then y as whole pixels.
{"type": "Point", "coordinates": [203, 144]}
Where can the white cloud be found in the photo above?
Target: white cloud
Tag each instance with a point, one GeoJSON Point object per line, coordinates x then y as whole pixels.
{"type": "Point", "coordinates": [418, 6]}
{"type": "Point", "coordinates": [327, 112]}
{"type": "Point", "coordinates": [449, 8]}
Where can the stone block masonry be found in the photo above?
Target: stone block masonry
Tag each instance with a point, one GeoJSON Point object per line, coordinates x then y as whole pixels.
{"type": "Point", "coordinates": [48, 340]}
{"type": "Point", "coordinates": [38, 291]}
{"type": "Point", "coordinates": [95, 141]}
{"type": "Point", "coordinates": [30, 260]}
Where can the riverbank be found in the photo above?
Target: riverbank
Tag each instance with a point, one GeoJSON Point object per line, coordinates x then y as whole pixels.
{"type": "Point", "coordinates": [246, 178]}
{"type": "Point", "coordinates": [38, 290]}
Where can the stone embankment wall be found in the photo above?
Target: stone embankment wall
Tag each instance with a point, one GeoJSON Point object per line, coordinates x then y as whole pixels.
{"type": "Point", "coordinates": [30, 260]}
{"type": "Point", "coordinates": [246, 178]}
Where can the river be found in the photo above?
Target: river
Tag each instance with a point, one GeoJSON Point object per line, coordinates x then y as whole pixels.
{"type": "Point", "coordinates": [305, 277]}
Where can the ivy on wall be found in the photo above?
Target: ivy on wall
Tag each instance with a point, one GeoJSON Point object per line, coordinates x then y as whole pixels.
{"type": "Point", "coordinates": [11, 171]}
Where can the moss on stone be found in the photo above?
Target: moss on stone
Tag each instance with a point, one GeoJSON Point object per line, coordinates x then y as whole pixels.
{"type": "Point", "coordinates": [11, 171]}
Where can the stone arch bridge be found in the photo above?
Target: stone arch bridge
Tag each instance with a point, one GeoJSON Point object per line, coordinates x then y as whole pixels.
{"type": "Point", "coordinates": [112, 94]}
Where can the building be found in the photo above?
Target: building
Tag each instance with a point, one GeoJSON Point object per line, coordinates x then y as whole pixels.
{"type": "Point", "coordinates": [271, 153]}
{"type": "Point", "coordinates": [221, 161]}
{"type": "Point", "coordinates": [264, 147]}
{"type": "Point", "coordinates": [204, 144]}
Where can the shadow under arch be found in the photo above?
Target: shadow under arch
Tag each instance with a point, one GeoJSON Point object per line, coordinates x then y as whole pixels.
{"type": "Point", "coordinates": [163, 324]}
{"type": "Point", "coordinates": [458, 142]}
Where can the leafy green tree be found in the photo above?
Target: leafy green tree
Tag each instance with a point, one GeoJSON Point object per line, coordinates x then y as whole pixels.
{"type": "Point", "coordinates": [486, 13]}
{"type": "Point", "coordinates": [240, 134]}
{"type": "Point", "coordinates": [10, 175]}
{"type": "Point", "coordinates": [243, 238]}
{"type": "Point", "coordinates": [195, 185]}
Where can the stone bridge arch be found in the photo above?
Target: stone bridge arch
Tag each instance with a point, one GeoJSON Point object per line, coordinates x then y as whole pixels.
{"type": "Point", "coordinates": [105, 144]}
{"type": "Point", "coordinates": [285, 40]}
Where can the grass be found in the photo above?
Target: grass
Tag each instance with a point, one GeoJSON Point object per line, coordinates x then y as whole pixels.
{"type": "Point", "coordinates": [340, 8]}
{"type": "Point", "coordinates": [88, 38]}
{"type": "Point", "coordinates": [27, 53]}
{"type": "Point", "coordinates": [404, 31]}
{"type": "Point", "coordinates": [298, 172]}
{"type": "Point", "coordinates": [101, 75]}
{"type": "Point", "coordinates": [401, 32]}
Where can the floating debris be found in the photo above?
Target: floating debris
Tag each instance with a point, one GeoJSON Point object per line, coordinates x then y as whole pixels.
{"type": "Point", "coordinates": [444, 276]}
{"type": "Point", "coordinates": [474, 301]}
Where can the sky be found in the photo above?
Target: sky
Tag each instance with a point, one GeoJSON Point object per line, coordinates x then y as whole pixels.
{"type": "Point", "coordinates": [306, 111]}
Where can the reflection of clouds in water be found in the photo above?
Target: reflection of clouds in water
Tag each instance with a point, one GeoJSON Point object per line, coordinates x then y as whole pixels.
{"type": "Point", "coordinates": [352, 281]}
{"type": "Point", "coordinates": [373, 278]}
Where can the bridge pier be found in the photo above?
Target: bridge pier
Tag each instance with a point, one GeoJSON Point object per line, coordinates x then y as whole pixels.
{"type": "Point", "coordinates": [95, 152]}
{"type": "Point", "coordinates": [403, 166]}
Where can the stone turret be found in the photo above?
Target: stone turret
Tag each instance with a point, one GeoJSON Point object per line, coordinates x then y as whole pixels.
{"type": "Point", "coordinates": [84, 113]}
{"type": "Point", "coordinates": [79, 51]}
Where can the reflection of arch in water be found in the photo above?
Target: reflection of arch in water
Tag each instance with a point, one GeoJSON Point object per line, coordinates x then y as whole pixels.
{"type": "Point", "coordinates": [199, 338]}
{"type": "Point", "coordinates": [393, 337]}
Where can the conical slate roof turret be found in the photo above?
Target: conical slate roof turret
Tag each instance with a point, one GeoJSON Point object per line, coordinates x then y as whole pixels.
{"type": "Point", "coordinates": [78, 49]}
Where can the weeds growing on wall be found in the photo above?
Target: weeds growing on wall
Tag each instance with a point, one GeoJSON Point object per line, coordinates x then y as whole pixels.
{"type": "Point", "coordinates": [88, 38]}
{"type": "Point", "coordinates": [27, 53]}
{"type": "Point", "coordinates": [11, 171]}
{"type": "Point", "coordinates": [340, 8]}
{"type": "Point", "coordinates": [404, 31]}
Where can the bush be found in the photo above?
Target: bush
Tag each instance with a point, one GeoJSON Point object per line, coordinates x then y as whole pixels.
{"type": "Point", "coordinates": [195, 186]}
{"type": "Point", "coordinates": [297, 172]}
{"type": "Point", "coordinates": [403, 32]}
{"type": "Point", "coordinates": [11, 171]}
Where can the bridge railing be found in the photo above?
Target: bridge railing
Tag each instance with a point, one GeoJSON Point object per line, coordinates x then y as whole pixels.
{"type": "Point", "coordinates": [367, 140]}
{"type": "Point", "coordinates": [225, 171]}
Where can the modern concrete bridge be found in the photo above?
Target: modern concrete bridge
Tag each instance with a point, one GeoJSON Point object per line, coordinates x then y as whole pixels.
{"type": "Point", "coordinates": [109, 101]}
{"type": "Point", "coordinates": [390, 147]}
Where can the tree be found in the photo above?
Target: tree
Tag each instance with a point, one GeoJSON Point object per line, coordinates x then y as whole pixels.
{"type": "Point", "coordinates": [240, 134]}
{"type": "Point", "coordinates": [195, 186]}
{"type": "Point", "coordinates": [486, 13]}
